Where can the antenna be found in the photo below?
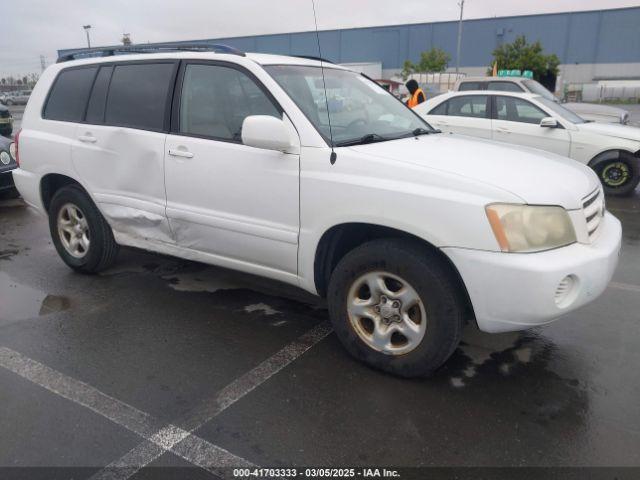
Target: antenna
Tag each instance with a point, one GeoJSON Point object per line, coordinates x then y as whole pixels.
{"type": "Point", "coordinates": [334, 155]}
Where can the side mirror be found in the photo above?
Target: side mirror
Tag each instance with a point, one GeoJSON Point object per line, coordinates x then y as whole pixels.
{"type": "Point", "coordinates": [265, 131]}
{"type": "Point", "coordinates": [549, 122]}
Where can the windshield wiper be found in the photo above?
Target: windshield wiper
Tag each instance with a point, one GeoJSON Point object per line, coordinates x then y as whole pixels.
{"type": "Point", "coordinates": [368, 138]}
{"type": "Point", "coordinates": [424, 131]}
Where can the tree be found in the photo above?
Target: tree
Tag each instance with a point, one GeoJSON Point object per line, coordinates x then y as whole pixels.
{"type": "Point", "coordinates": [434, 60]}
{"type": "Point", "coordinates": [521, 55]}
{"type": "Point", "coordinates": [126, 39]}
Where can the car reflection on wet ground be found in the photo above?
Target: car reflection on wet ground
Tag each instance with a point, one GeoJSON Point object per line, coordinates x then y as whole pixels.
{"type": "Point", "coordinates": [167, 336]}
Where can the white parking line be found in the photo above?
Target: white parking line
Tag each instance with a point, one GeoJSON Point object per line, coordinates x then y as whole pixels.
{"type": "Point", "coordinates": [146, 452]}
{"type": "Point", "coordinates": [625, 286]}
{"type": "Point", "coordinates": [159, 437]}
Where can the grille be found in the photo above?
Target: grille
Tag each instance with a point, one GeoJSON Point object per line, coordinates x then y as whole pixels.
{"type": "Point", "coordinates": [565, 288]}
{"type": "Point", "coordinates": [593, 208]}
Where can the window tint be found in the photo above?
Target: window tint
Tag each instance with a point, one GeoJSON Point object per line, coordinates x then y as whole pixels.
{"type": "Point", "coordinates": [468, 106]}
{"type": "Point", "coordinates": [215, 100]}
{"type": "Point", "coordinates": [98, 98]}
{"type": "Point", "coordinates": [505, 87]}
{"type": "Point", "coordinates": [138, 95]}
{"type": "Point", "coordinates": [518, 110]}
{"type": "Point", "coordinates": [471, 86]}
{"type": "Point", "coordinates": [440, 109]}
{"type": "Point", "coordinates": [68, 97]}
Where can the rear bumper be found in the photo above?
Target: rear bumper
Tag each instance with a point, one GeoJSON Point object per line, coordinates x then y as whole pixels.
{"type": "Point", "coordinates": [511, 291]}
{"type": "Point", "coordinates": [28, 184]}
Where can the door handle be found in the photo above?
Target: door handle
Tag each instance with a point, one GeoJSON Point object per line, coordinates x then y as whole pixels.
{"type": "Point", "coordinates": [180, 153]}
{"type": "Point", "coordinates": [87, 138]}
{"type": "Point", "coordinates": [503, 130]}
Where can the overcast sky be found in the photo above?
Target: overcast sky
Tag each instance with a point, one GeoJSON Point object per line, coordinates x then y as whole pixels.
{"type": "Point", "coordinates": [30, 28]}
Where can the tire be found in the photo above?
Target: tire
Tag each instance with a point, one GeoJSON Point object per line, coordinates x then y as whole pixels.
{"type": "Point", "coordinates": [98, 249]}
{"type": "Point", "coordinates": [9, 103]}
{"type": "Point", "coordinates": [423, 271]}
{"type": "Point", "coordinates": [619, 177]}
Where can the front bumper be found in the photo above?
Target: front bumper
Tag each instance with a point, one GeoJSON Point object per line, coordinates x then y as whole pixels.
{"type": "Point", "coordinates": [6, 181]}
{"type": "Point", "coordinates": [516, 291]}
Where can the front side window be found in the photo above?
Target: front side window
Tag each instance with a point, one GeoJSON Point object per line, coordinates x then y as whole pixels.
{"type": "Point", "coordinates": [216, 99]}
{"type": "Point", "coordinates": [515, 109]}
{"type": "Point", "coordinates": [138, 95]}
{"type": "Point", "coordinates": [468, 106]}
{"type": "Point", "coordinates": [505, 87]}
{"type": "Point", "coordinates": [68, 97]}
{"type": "Point", "coordinates": [359, 109]}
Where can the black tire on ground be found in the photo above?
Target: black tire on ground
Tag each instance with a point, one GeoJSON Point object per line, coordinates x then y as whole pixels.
{"type": "Point", "coordinates": [632, 163]}
{"type": "Point", "coordinates": [436, 285]}
{"type": "Point", "coordinates": [102, 250]}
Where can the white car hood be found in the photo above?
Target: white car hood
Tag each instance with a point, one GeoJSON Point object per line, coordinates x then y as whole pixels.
{"type": "Point", "coordinates": [612, 129]}
{"type": "Point", "coordinates": [538, 177]}
{"type": "Point", "coordinates": [594, 108]}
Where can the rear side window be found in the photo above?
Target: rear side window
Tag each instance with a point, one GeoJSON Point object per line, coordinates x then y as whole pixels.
{"type": "Point", "coordinates": [440, 109]}
{"type": "Point", "coordinates": [68, 96]}
{"type": "Point", "coordinates": [518, 110]}
{"type": "Point", "coordinates": [505, 87]}
{"type": "Point", "coordinates": [138, 95]}
{"type": "Point", "coordinates": [468, 106]}
{"type": "Point", "coordinates": [471, 86]}
{"type": "Point", "coordinates": [98, 98]}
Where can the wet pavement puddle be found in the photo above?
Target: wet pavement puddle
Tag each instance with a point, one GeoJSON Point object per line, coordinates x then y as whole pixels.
{"type": "Point", "coordinates": [18, 301]}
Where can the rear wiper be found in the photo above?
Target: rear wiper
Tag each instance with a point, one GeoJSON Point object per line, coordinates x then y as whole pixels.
{"type": "Point", "coordinates": [368, 138]}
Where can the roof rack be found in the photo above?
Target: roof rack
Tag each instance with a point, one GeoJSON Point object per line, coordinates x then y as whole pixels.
{"type": "Point", "coordinates": [311, 57]}
{"type": "Point", "coordinates": [147, 48]}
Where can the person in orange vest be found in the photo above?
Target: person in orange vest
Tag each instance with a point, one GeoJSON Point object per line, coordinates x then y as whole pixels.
{"type": "Point", "coordinates": [417, 95]}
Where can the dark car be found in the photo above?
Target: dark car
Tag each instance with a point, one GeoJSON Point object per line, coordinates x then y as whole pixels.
{"type": "Point", "coordinates": [6, 121]}
{"type": "Point", "coordinates": [7, 163]}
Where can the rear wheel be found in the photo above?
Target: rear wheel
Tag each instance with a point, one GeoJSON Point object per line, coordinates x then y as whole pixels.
{"type": "Point", "coordinates": [80, 233]}
{"type": "Point", "coordinates": [619, 176]}
{"type": "Point", "coordinates": [396, 306]}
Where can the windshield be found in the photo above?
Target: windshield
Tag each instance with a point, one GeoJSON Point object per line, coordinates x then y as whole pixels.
{"type": "Point", "coordinates": [568, 115]}
{"type": "Point", "coordinates": [538, 89]}
{"type": "Point", "coordinates": [360, 110]}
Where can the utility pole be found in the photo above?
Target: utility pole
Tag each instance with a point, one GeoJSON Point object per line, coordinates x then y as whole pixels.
{"type": "Point", "coordinates": [459, 37]}
{"type": "Point", "coordinates": [43, 63]}
{"type": "Point", "coordinates": [86, 30]}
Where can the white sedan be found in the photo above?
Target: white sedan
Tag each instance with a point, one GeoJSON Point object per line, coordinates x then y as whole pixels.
{"type": "Point", "coordinates": [612, 150]}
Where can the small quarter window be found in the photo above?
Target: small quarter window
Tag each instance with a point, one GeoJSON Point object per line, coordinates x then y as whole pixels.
{"type": "Point", "coordinates": [68, 97]}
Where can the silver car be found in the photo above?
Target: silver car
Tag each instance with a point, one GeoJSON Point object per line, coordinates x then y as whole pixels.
{"type": "Point", "coordinates": [588, 111]}
{"type": "Point", "coordinates": [20, 97]}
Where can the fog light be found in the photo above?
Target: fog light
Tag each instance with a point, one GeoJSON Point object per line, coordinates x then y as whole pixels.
{"type": "Point", "coordinates": [566, 291]}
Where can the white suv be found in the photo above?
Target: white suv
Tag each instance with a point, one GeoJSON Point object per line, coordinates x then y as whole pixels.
{"type": "Point", "coordinates": [227, 159]}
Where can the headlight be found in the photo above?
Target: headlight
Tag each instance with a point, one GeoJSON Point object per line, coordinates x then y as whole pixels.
{"type": "Point", "coordinates": [526, 228]}
{"type": "Point", "coordinates": [12, 149]}
{"type": "Point", "coordinates": [5, 159]}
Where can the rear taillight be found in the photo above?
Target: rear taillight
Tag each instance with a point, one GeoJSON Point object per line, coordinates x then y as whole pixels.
{"type": "Point", "coordinates": [14, 149]}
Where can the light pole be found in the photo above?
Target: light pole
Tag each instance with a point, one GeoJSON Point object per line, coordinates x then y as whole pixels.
{"type": "Point", "coordinates": [459, 37]}
{"type": "Point", "coordinates": [86, 30]}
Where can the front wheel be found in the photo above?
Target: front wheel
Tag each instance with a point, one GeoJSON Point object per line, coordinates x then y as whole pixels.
{"type": "Point", "coordinates": [396, 306]}
{"type": "Point", "coordinates": [619, 176]}
{"type": "Point", "coordinates": [80, 233]}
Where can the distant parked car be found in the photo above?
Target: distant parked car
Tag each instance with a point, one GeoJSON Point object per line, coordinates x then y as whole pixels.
{"type": "Point", "coordinates": [6, 122]}
{"type": "Point", "coordinates": [7, 164]}
{"type": "Point", "coordinates": [612, 151]}
{"type": "Point", "coordinates": [588, 111]}
{"type": "Point", "coordinates": [21, 97]}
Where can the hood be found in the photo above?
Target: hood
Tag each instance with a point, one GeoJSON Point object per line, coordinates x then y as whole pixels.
{"type": "Point", "coordinates": [536, 176]}
{"type": "Point", "coordinates": [595, 108]}
{"type": "Point", "coordinates": [612, 130]}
